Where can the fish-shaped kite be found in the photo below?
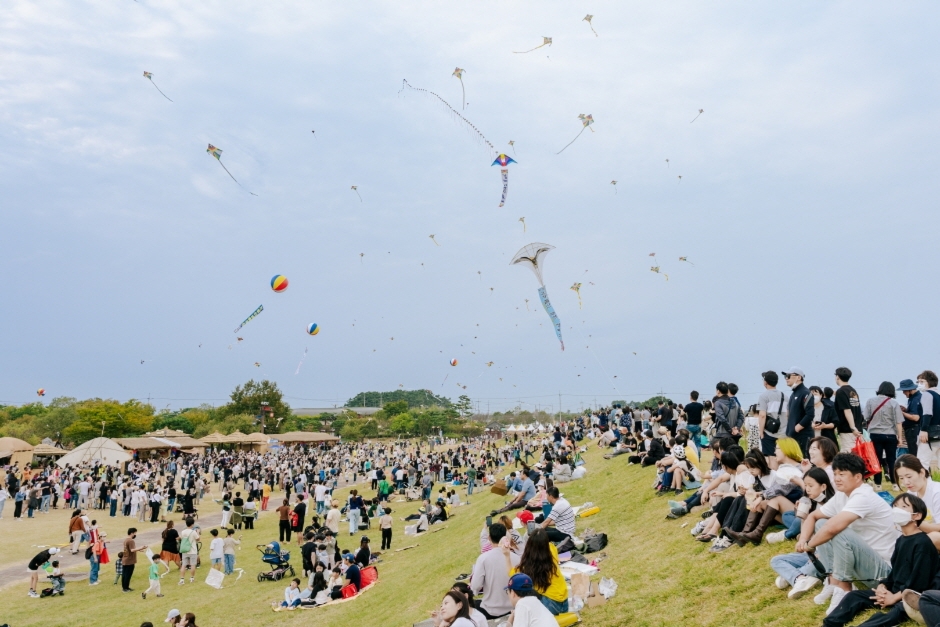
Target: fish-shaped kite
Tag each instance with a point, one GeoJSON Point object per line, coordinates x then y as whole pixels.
{"type": "Point", "coordinates": [533, 256]}
{"type": "Point", "coordinates": [459, 74]}
{"type": "Point", "coordinates": [576, 288]}
{"type": "Point", "coordinates": [586, 122]}
{"type": "Point", "coordinates": [546, 41]}
{"type": "Point", "coordinates": [588, 18]}
{"type": "Point", "coordinates": [253, 315]}
{"type": "Point", "coordinates": [503, 161]}
{"type": "Point", "coordinates": [149, 77]}
{"type": "Point", "coordinates": [217, 153]}
{"type": "Point", "coordinates": [355, 188]}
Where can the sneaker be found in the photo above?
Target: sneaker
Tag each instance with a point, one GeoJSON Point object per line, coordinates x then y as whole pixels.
{"type": "Point", "coordinates": [877, 487]}
{"type": "Point", "coordinates": [895, 487]}
{"type": "Point", "coordinates": [825, 595]}
{"type": "Point", "coordinates": [776, 537]}
{"type": "Point", "coordinates": [95, 583]}
{"type": "Point", "coordinates": [707, 513]}
{"type": "Point", "coordinates": [781, 583]}
{"type": "Point", "coordinates": [192, 580]}
{"type": "Point", "coordinates": [143, 595]}
{"type": "Point", "coordinates": [911, 602]}
{"type": "Point", "coordinates": [803, 584]}
{"type": "Point", "coordinates": [32, 593]}
{"type": "Point", "coordinates": [182, 581]}
{"type": "Point", "coordinates": [698, 528]}
{"type": "Point", "coordinates": [720, 545]}
{"type": "Point", "coordinates": [837, 595]}
{"type": "Point", "coordinates": [674, 504]}
{"type": "Point", "coordinates": [159, 596]}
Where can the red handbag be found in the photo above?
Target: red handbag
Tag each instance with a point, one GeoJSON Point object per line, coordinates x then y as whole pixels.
{"type": "Point", "coordinates": [866, 450]}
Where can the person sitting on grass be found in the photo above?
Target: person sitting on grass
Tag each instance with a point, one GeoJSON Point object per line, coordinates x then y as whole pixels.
{"type": "Point", "coordinates": [454, 611]}
{"type": "Point", "coordinates": [526, 492]}
{"type": "Point", "coordinates": [718, 481]}
{"type": "Point", "coordinates": [731, 512]}
{"type": "Point", "coordinates": [651, 450]}
{"type": "Point", "coordinates": [817, 489]}
{"type": "Point", "coordinates": [527, 610]}
{"type": "Point", "coordinates": [291, 596]}
{"type": "Point", "coordinates": [352, 574]}
{"type": "Point", "coordinates": [853, 535]}
{"type": "Point", "coordinates": [914, 564]}
{"type": "Point", "coordinates": [490, 576]}
{"type": "Point", "coordinates": [540, 562]}
{"type": "Point", "coordinates": [476, 616]}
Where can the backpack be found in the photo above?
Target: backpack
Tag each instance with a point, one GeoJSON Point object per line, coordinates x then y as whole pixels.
{"type": "Point", "coordinates": [595, 543]}
{"type": "Point", "coordinates": [186, 544]}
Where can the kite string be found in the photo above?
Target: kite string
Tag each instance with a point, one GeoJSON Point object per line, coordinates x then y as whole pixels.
{"type": "Point", "coordinates": [572, 141]}
{"type": "Point", "coordinates": [405, 83]}
{"type": "Point", "coordinates": [591, 350]}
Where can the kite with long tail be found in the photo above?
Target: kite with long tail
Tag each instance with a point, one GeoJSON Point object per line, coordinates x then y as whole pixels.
{"type": "Point", "coordinates": [586, 122]}
{"type": "Point", "coordinates": [149, 76]}
{"type": "Point", "coordinates": [459, 74]}
{"type": "Point", "coordinates": [405, 83]}
{"type": "Point", "coordinates": [588, 18]}
{"type": "Point", "coordinates": [217, 153]}
{"type": "Point", "coordinates": [532, 255]}
{"type": "Point", "coordinates": [504, 161]}
{"type": "Point", "coordinates": [253, 315]}
{"type": "Point", "coordinates": [546, 41]}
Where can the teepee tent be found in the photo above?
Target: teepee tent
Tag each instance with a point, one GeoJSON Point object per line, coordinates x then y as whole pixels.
{"type": "Point", "coordinates": [105, 450]}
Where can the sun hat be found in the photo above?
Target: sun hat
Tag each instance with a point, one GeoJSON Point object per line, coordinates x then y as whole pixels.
{"type": "Point", "coordinates": [907, 385]}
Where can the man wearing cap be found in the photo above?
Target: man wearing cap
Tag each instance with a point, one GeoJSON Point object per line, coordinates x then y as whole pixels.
{"type": "Point", "coordinates": [927, 448]}
{"type": "Point", "coordinates": [527, 611]}
{"type": "Point", "coordinates": [912, 416]}
{"type": "Point", "coordinates": [799, 408]}
{"type": "Point", "coordinates": [353, 575]}
{"type": "Point", "coordinates": [35, 564]}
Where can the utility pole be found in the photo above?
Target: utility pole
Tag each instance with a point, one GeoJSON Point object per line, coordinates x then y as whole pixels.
{"type": "Point", "coordinates": [559, 402]}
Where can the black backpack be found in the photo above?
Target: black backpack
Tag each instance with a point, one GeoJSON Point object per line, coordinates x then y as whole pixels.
{"type": "Point", "coordinates": [595, 543]}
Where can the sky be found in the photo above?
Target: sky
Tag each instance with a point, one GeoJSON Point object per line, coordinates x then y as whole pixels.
{"type": "Point", "coordinates": [807, 198]}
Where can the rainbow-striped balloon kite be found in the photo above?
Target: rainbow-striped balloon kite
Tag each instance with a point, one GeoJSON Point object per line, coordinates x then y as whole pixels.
{"type": "Point", "coordinates": [313, 328]}
{"type": "Point", "coordinates": [279, 283]}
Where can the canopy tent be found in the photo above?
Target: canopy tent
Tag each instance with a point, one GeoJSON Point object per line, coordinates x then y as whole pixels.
{"type": "Point", "coordinates": [235, 437]}
{"type": "Point", "coordinates": [303, 437]}
{"type": "Point", "coordinates": [18, 451]}
{"type": "Point", "coordinates": [213, 438]}
{"type": "Point", "coordinates": [45, 450]}
{"type": "Point", "coordinates": [165, 433]}
{"type": "Point", "coordinates": [104, 450]}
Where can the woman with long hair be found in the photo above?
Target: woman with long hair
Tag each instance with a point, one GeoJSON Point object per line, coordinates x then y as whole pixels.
{"type": "Point", "coordinates": [169, 550]}
{"type": "Point", "coordinates": [913, 477]}
{"type": "Point", "coordinates": [540, 562]}
{"type": "Point", "coordinates": [454, 611]}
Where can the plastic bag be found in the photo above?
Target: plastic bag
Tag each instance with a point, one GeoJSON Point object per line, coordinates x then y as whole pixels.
{"type": "Point", "coordinates": [866, 450]}
{"type": "Point", "coordinates": [607, 587]}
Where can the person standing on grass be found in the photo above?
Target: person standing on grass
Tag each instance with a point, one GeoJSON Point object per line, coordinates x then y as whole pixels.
{"type": "Point", "coordinates": [76, 531]}
{"type": "Point", "coordinates": [154, 576]}
{"type": "Point", "coordinates": [693, 416]}
{"type": "Point", "coordinates": [300, 512]}
{"type": "Point", "coordinates": [189, 550]}
{"type": "Point", "coordinates": [35, 564]}
{"type": "Point", "coordinates": [4, 495]}
{"type": "Point", "coordinates": [385, 524]}
{"type": "Point", "coordinates": [228, 551]}
{"type": "Point", "coordinates": [771, 404]}
{"type": "Point", "coordinates": [216, 549]}
{"type": "Point", "coordinates": [283, 513]}
{"type": "Point", "coordinates": [169, 549]}
{"type": "Point", "coordinates": [800, 410]}
{"type": "Point", "coordinates": [130, 559]}
{"type": "Point", "coordinates": [848, 411]}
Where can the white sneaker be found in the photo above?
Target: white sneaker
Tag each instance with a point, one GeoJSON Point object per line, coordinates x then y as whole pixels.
{"type": "Point", "coordinates": [776, 537]}
{"type": "Point", "coordinates": [837, 595]}
{"type": "Point", "coordinates": [895, 487]}
{"type": "Point", "coordinates": [781, 583]}
{"type": "Point", "coordinates": [720, 545]}
{"type": "Point", "coordinates": [825, 595]}
{"type": "Point", "coordinates": [698, 528]}
{"type": "Point", "coordinates": [877, 487]}
{"type": "Point", "coordinates": [804, 583]}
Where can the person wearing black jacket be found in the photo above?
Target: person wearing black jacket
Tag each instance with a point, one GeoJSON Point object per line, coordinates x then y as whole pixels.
{"type": "Point", "coordinates": [307, 552]}
{"type": "Point", "coordinates": [800, 409]}
{"type": "Point", "coordinates": [364, 555]}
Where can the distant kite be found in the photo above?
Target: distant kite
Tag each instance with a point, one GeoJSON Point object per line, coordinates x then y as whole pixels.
{"type": "Point", "coordinates": [433, 240]}
{"type": "Point", "coordinates": [361, 255]}
{"type": "Point", "coordinates": [512, 145]}
{"type": "Point", "coordinates": [41, 392]}
{"type": "Point", "coordinates": [588, 18]}
{"type": "Point", "coordinates": [355, 188]}
{"type": "Point", "coordinates": [546, 41]}
{"type": "Point", "coordinates": [614, 183]}
{"type": "Point", "coordinates": [680, 178]}
{"type": "Point", "coordinates": [522, 219]}
{"type": "Point", "coordinates": [504, 161]}
{"type": "Point", "coordinates": [700, 112]}
{"type": "Point", "coordinates": [489, 364]}
{"type": "Point", "coordinates": [657, 271]}
{"type": "Point", "coordinates": [253, 315]}
{"type": "Point", "coordinates": [667, 163]}
{"type": "Point", "coordinates": [459, 74]}
{"type": "Point", "coordinates": [149, 77]}
{"type": "Point", "coordinates": [586, 122]}
{"type": "Point", "coordinates": [533, 256]}
{"type": "Point", "coordinates": [453, 362]}
{"type": "Point", "coordinates": [257, 364]}
{"type": "Point", "coordinates": [405, 83]}
{"type": "Point", "coordinates": [217, 153]}
{"type": "Point", "coordinates": [686, 259]}
{"type": "Point", "coordinates": [576, 288]}
{"type": "Point", "coordinates": [314, 134]}
{"type": "Point", "coordinates": [301, 362]}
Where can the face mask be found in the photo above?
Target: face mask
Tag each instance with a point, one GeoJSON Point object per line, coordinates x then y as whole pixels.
{"type": "Point", "coordinates": [901, 517]}
{"type": "Point", "coordinates": [817, 398]}
{"type": "Point", "coordinates": [921, 385]}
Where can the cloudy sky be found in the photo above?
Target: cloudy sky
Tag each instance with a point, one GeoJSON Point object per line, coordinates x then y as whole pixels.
{"type": "Point", "coordinates": [807, 199]}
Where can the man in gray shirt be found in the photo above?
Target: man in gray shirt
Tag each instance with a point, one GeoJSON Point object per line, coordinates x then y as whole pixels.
{"type": "Point", "coordinates": [491, 577]}
{"type": "Point", "coordinates": [526, 493]}
{"type": "Point", "coordinates": [771, 404]}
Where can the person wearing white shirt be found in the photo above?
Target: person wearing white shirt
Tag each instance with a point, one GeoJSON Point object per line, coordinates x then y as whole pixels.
{"type": "Point", "coordinates": [527, 611]}
{"type": "Point", "coordinates": [914, 478]}
{"type": "Point", "coordinates": [216, 550]}
{"type": "Point", "coordinates": [853, 534]}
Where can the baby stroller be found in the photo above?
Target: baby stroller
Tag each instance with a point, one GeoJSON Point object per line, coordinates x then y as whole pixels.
{"type": "Point", "coordinates": [279, 560]}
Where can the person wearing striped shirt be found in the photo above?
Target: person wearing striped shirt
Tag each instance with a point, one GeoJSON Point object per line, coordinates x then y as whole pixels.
{"type": "Point", "coordinates": [559, 524]}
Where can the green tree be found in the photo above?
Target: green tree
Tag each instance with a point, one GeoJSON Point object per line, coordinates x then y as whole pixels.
{"type": "Point", "coordinates": [395, 407]}
{"type": "Point", "coordinates": [110, 418]}
{"type": "Point", "coordinates": [402, 424]}
{"type": "Point", "coordinates": [247, 399]}
{"type": "Point", "coordinates": [464, 406]}
{"type": "Point", "coordinates": [369, 428]}
{"type": "Point", "coordinates": [350, 432]}
{"type": "Point", "coordinates": [414, 398]}
{"type": "Point", "coordinates": [173, 421]}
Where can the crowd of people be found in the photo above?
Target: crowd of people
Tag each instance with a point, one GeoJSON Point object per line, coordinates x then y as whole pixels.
{"type": "Point", "coordinates": [813, 462]}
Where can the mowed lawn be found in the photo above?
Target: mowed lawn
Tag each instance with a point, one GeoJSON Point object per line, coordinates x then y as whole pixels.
{"type": "Point", "coordinates": [664, 577]}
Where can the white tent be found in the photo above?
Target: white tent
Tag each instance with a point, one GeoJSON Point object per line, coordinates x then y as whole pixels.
{"type": "Point", "coordinates": [101, 449]}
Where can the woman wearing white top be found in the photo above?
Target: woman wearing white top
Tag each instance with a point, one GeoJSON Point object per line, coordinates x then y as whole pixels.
{"type": "Point", "coordinates": [914, 478]}
{"type": "Point", "coordinates": [454, 611]}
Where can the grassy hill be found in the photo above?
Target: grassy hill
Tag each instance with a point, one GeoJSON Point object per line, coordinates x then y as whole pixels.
{"type": "Point", "coordinates": [664, 577]}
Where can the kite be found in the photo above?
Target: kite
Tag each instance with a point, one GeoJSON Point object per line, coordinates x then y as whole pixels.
{"type": "Point", "coordinates": [512, 145]}
{"type": "Point", "coordinates": [314, 134]}
{"type": "Point", "coordinates": [453, 362]}
{"type": "Point", "coordinates": [240, 339]}
{"type": "Point", "coordinates": [41, 392]}
{"type": "Point", "coordinates": [522, 219]}
{"type": "Point", "coordinates": [586, 122]}
{"type": "Point", "coordinates": [279, 283]}
{"type": "Point", "coordinates": [355, 188]}
{"type": "Point", "coordinates": [667, 163]}
{"type": "Point", "coordinates": [433, 240]}
{"type": "Point", "coordinates": [680, 178]}
{"type": "Point", "coordinates": [459, 74]}
{"type": "Point", "coordinates": [546, 41]}
{"type": "Point", "coordinates": [533, 255]}
{"type": "Point", "coordinates": [217, 153]}
{"type": "Point", "coordinates": [652, 254]}
{"type": "Point", "coordinates": [656, 270]}
{"type": "Point", "coordinates": [614, 183]}
{"type": "Point", "coordinates": [576, 288]}
{"type": "Point", "coordinates": [361, 255]}
{"type": "Point", "coordinates": [149, 77]}
{"type": "Point", "coordinates": [700, 112]}
{"type": "Point", "coordinates": [313, 328]}
{"type": "Point", "coordinates": [405, 83]}
{"type": "Point", "coordinates": [504, 161]}
{"type": "Point", "coordinates": [253, 315]}
{"type": "Point", "coordinates": [686, 259]}
{"type": "Point", "coordinates": [527, 304]}
{"type": "Point", "coordinates": [301, 362]}
{"type": "Point", "coordinates": [257, 364]}
{"type": "Point", "coordinates": [490, 363]}
{"type": "Point", "coordinates": [480, 274]}
{"type": "Point", "coordinates": [588, 18]}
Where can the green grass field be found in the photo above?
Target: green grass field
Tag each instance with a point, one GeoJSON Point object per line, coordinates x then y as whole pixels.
{"type": "Point", "coordinates": [664, 577]}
